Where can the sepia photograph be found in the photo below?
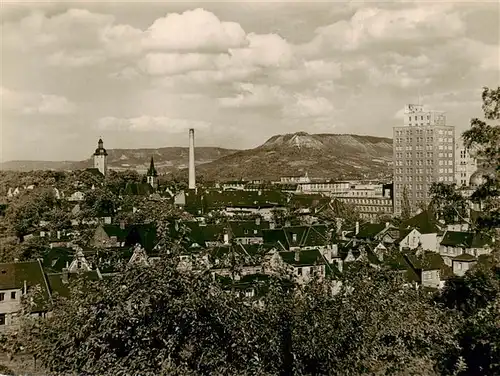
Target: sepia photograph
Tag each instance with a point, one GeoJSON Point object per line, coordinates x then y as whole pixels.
{"type": "Point", "coordinates": [240, 188]}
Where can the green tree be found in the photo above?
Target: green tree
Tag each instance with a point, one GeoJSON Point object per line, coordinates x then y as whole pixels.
{"type": "Point", "coordinates": [158, 320]}
{"type": "Point", "coordinates": [483, 139]}
{"type": "Point", "coordinates": [405, 205]}
{"type": "Point", "coordinates": [448, 203]}
{"type": "Point", "coordinates": [25, 212]}
{"type": "Point", "coordinates": [99, 202]}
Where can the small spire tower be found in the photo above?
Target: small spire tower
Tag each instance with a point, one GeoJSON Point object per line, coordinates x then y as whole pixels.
{"type": "Point", "coordinates": [152, 175]}
{"type": "Point", "coordinates": [101, 158]}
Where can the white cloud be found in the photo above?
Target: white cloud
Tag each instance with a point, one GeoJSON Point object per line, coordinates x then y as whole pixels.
{"type": "Point", "coordinates": [175, 63]}
{"type": "Point", "coordinates": [35, 104]}
{"type": "Point", "coordinates": [76, 59]}
{"type": "Point", "coordinates": [370, 26]}
{"type": "Point", "coordinates": [268, 50]}
{"type": "Point", "coordinates": [194, 30]}
{"type": "Point", "coordinates": [311, 71]}
{"type": "Point", "coordinates": [251, 95]}
{"type": "Point", "coordinates": [305, 106]}
{"type": "Point", "coordinates": [147, 123]}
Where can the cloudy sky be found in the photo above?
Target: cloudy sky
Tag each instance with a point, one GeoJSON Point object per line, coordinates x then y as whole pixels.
{"type": "Point", "coordinates": [141, 74]}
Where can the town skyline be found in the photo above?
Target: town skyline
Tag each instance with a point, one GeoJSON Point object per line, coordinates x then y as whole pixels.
{"type": "Point", "coordinates": [73, 72]}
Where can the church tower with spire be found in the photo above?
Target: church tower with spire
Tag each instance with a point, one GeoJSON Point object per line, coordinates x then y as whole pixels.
{"type": "Point", "coordinates": [101, 158]}
{"type": "Point", "coordinates": [152, 175]}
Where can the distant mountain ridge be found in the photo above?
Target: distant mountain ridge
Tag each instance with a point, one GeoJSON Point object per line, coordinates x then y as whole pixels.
{"type": "Point", "coordinates": [166, 159]}
{"type": "Point", "coordinates": [334, 156]}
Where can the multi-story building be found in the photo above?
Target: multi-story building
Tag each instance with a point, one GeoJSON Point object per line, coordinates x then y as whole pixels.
{"type": "Point", "coordinates": [370, 200]}
{"type": "Point", "coordinates": [333, 187]}
{"type": "Point", "coordinates": [423, 153]}
{"type": "Point", "coordinates": [465, 164]}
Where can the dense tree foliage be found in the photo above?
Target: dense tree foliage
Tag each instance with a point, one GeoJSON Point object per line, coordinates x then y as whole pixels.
{"type": "Point", "coordinates": [483, 139]}
{"type": "Point", "coordinates": [27, 210]}
{"type": "Point", "coordinates": [157, 320]}
{"type": "Point", "coordinates": [448, 204]}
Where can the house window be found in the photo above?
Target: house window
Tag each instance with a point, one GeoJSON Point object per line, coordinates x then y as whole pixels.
{"type": "Point", "coordinates": [13, 295]}
{"type": "Point", "coordinates": [299, 271]}
{"type": "Point", "coordinates": [2, 296]}
{"type": "Point", "coordinates": [2, 318]}
{"type": "Point", "coordinates": [294, 237]}
{"type": "Point", "coordinates": [79, 264]}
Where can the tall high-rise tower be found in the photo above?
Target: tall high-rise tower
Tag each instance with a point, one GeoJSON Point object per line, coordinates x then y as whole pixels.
{"type": "Point", "coordinates": [423, 153]}
{"type": "Point", "coordinates": [152, 175]}
{"type": "Point", "coordinates": [192, 174]}
{"type": "Point", "coordinates": [101, 158]}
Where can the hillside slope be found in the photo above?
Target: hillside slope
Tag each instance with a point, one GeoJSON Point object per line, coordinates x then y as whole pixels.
{"type": "Point", "coordinates": [320, 155]}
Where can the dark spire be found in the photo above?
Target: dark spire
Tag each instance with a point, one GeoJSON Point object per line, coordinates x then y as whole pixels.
{"type": "Point", "coordinates": [152, 169]}
{"type": "Point", "coordinates": [100, 148]}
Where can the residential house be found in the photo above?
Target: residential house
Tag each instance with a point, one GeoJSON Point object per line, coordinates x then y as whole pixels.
{"type": "Point", "coordinates": [303, 265]}
{"type": "Point", "coordinates": [16, 280]}
{"type": "Point", "coordinates": [112, 236]}
{"type": "Point", "coordinates": [462, 263]}
{"type": "Point", "coordinates": [430, 268]}
{"type": "Point", "coordinates": [409, 239]}
{"type": "Point", "coordinates": [428, 227]}
{"type": "Point", "coordinates": [369, 232]}
{"type": "Point", "coordinates": [456, 243]}
{"type": "Point", "coordinates": [76, 196]}
{"type": "Point", "coordinates": [248, 232]}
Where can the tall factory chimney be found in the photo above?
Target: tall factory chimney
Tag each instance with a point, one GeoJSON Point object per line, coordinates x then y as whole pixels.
{"type": "Point", "coordinates": [192, 174]}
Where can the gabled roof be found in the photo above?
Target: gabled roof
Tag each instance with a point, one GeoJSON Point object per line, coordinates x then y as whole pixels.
{"type": "Point", "coordinates": [370, 230]}
{"type": "Point", "coordinates": [212, 232]}
{"type": "Point", "coordinates": [60, 288]}
{"type": "Point", "coordinates": [425, 222]}
{"type": "Point", "coordinates": [138, 189]}
{"type": "Point", "coordinates": [464, 257]}
{"type": "Point", "coordinates": [14, 274]}
{"type": "Point", "coordinates": [465, 239]}
{"type": "Point", "coordinates": [95, 172]}
{"type": "Point", "coordinates": [242, 229]}
{"type": "Point", "coordinates": [403, 233]}
{"type": "Point", "coordinates": [297, 236]}
{"type": "Point", "coordinates": [57, 258]}
{"type": "Point", "coordinates": [305, 258]}
{"type": "Point", "coordinates": [143, 234]}
{"type": "Point", "coordinates": [427, 260]}
{"type": "Point", "coordinates": [115, 230]}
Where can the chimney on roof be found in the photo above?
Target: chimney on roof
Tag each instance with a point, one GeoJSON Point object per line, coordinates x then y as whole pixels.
{"type": "Point", "coordinates": [58, 234]}
{"type": "Point", "coordinates": [192, 173]}
{"type": "Point", "coordinates": [357, 228]}
{"type": "Point", "coordinates": [65, 275]}
{"type": "Point", "coordinates": [257, 221]}
{"type": "Point", "coordinates": [25, 287]}
{"type": "Point", "coordinates": [297, 256]}
{"type": "Point", "coordinates": [122, 225]}
{"type": "Point", "coordinates": [226, 236]}
{"type": "Point", "coordinates": [387, 224]}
